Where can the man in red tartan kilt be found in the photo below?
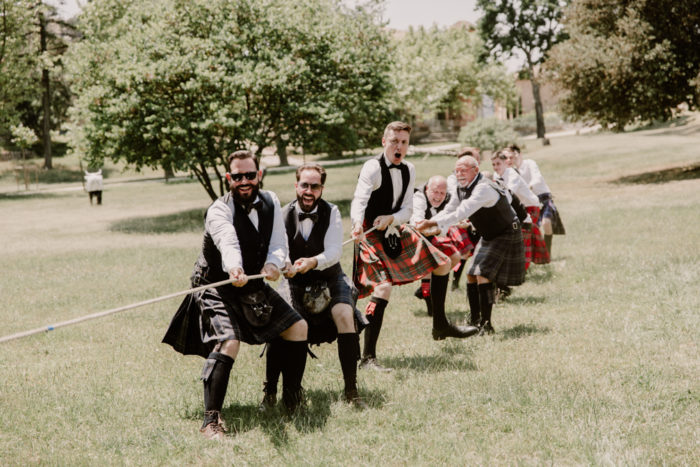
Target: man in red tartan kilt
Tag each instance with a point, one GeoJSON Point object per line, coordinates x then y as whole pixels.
{"type": "Point", "coordinates": [499, 257]}
{"type": "Point", "coordinates": [393, 254]}
{"type": "Point", "coordinates": [428, 200]}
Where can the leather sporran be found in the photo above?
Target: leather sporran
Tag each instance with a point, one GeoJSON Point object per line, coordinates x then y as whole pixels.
{"type": "Point", "coordinates": [316, 298]}
{"type": "Point", "coordinates": [256, 308]}
{"type": "Point", "coordinates": [391, 242]}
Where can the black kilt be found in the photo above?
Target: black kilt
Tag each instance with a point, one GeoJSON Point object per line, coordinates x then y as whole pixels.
{"type": "Point", "coordinates": [210, 316]}
{"type": "Point", "coordinates": [322, 328]}
{"type": "Point", "coordinates": [501, 259]}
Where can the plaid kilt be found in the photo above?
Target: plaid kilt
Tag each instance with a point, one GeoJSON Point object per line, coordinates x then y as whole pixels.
{"type": "Point", "coordinates": [371, 266]}
{"type": "Point", "coordinates": [535, 240]}
{"type": "Point", "coordinates": [210, 316]}
{"type": "Point", "coordinates": [444, 244]}
{"type": "Point", "coordinates": [461, 239]}
{"type": "Point", "coordinates": [501, 259]}
{"type": "Point", "coordinates": [550, 211]}
{"type": "Point", "coordinates": [322, 328]}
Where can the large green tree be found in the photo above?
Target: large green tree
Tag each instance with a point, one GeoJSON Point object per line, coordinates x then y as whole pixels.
{"type": "Point", "coordinates": [525, 29]}
{"type": "Point", "coordinates": [629, 60]}
{"type": "Point", "coordinates": [437, 71]}
{"type": "Point", "coordinates": [179, 84]}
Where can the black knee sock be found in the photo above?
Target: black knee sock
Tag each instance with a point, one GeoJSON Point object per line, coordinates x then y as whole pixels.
{"type": "Point", "coordinates": [438, 292]}
{"type": "Point", "coordinates": [375, 315]}
{"type": "Point", "coordinates": [294, 364]}
{"type": "Point", "coordinates": [486, 301]}
{"type": "Point", "coordinates": [474, 306]}
{"type": "Point", "coordinates": [349, 354]}
{"type": "Point", "coordinates": [458, 273]}
{"type": "Point", "coordinates": [216, 382]}
{"type": "Point", "coordinates": [273, 364]}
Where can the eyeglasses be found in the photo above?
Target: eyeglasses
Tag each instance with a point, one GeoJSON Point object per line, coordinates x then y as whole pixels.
{"type": "Point", "coordinates": [248, 176]}
{"type": "Point", "coordinates": [463, 170]}
{"type": "Point", "coordinates": [312, 186]}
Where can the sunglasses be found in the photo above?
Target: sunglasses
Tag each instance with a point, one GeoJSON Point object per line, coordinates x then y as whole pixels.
{"type": "Point", "coordinates": [248, 176]}
{"type": "Point", "coordinates": [313, 186]}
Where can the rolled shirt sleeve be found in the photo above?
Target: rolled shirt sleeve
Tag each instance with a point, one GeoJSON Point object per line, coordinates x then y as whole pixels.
{"type": "Point", "coordinates": [483, 196]}
{"type": "Point", "coordinates": [277, 252]}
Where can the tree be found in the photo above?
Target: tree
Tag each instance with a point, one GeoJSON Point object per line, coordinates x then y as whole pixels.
{"type": "Point", "coordinates": [627, 61]}
{"type": "Point", "coordinates": [180, 84]}
{"type": "Point", "coordinates": [527, 27]}
{"type": "Point", "coordinates": [437, 71]}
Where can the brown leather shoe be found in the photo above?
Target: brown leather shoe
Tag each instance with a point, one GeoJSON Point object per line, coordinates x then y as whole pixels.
{"type": "Point", "coordinates": [353, 397]}
{"type": "Point", "coordinates": [371, 363]}
{"type": "Point", "coordinates": [214, 430]}
{"type": "Point", "coordinates": [452, 330]}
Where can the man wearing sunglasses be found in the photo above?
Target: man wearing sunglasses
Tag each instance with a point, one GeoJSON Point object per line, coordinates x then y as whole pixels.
{"type": "Point", "coordinates": [244, 235]}
{"type": "Point", "coordinates": [320, 290]}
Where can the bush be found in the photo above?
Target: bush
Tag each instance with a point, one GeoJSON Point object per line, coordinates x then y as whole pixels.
{"type": "Point", "coordinates": [488, 134]}
{"type": "Point", "coordinates": [526, 124]}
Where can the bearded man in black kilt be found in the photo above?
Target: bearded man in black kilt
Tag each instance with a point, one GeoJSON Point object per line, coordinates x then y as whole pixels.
{"type": "Point", "coordinates": [500, 254]}
{"type": "Point", "coordinates": [320, 291]}
{"type": "Point", "coordinates": [244, 235]}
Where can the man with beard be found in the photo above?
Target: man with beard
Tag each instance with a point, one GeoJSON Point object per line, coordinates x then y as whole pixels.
{"type": "Point", "coordinates": [499, 256]}
{"type": "Point", "coordinates": [244, 235]}
{"type": "Point", "coordinates": [320, 290]}
{"type": "Point", "coordinates": [394, 253]}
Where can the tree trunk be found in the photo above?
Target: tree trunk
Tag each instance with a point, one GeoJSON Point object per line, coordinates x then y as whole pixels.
{"type": "Point", "coordinates": [46, 98]}
{"type": "Point", "coordinates": [281, 151]}
{"type": "Point", "coordinates": [539, 113]}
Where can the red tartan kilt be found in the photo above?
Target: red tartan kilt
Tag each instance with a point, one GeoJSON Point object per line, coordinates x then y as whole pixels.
{"type": "Point", "coordinates": [538, 248]}
{"type": "Point", "coordinates": [460, 239]}
{"type": "Point", "coordinates": [444, 244]}
{"type": "Point", "coordinates": [372, 266]}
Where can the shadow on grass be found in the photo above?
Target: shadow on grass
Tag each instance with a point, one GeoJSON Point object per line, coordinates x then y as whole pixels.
{"type": "Point", "coordinates": [539, 274]}
{"type": "Point", "coordinates": [526, 300]}
{"type": "Point", "coordinates": [185, 221]}
{"type": "Point", "coordinates": [522, 330]}
{"type": "Point", "coordinates": [23, 195]}
{"type": "Point", "coordinates": [452, 358]}
{"type": "Point", "coordinates": [686, 172]}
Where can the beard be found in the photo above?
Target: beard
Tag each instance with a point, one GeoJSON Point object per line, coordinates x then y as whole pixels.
{"type": "Point", "coordinates": [302, 203]}
{"type": "Point", "coordinates": [245, 198]}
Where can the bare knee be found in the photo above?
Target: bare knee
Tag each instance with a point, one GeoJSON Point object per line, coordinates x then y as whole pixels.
{"type": "Point", "coordinates": [342, 314]}
{"type": "Point", "coordinates": [296, 332]}
{"type": "Point", "coordinates": [230, 348]}
{"type": "Point", "coordinates": [382, 290]}
{"type": "Point", "coordinates": [471, 279]}
{"type": "Point", "coordinates": [547, 226]}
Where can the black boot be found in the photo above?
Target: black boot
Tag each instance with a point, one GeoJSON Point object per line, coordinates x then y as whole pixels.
{"type": "Point", "coordinates": [456, 275]}
{"type": "Point", "coordinates": [442, 328]}
{"type": "Point", "coordinates": [474, 306]}
{"type": "Point", "coordinates": [375, 315]}
{"type": "Point", "coordinates": [486, 293]}
{"type": "Point", "coordinates": [349, 354]}
{"type": "Point", "coordinates": [293, 373]}
{"type": "Point", "coordinates": [215, 375]}
{"type": "Point", "coordinates": [274, 360]}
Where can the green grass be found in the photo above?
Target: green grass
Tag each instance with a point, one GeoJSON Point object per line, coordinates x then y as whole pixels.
{"type": "Point", "coordinates": [595, 360]}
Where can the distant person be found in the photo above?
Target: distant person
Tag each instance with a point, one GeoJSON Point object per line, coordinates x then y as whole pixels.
{"type": "Point", "coordinates": [93, 185]}
{"type": "Point", "coordinates": [550, 220]}
{"type": "Point", "coordinates": [243, 235]}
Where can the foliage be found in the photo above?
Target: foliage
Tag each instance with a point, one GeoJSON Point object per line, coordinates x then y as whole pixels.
{"type": "Point", "coordinates": [528, 28]}
{"type": "Point", "coordinates": [488, 134]}
{"type": "Point", "coordinates": [180, 84]}
{"type": "Point", "coordinates": [628, 61]}
{"type": "Point", "coordinates": [22, 136]}
{"type": "Point", "coordinates": [436, 70]}
{"type": "Point", "coordinates": [526, 124]}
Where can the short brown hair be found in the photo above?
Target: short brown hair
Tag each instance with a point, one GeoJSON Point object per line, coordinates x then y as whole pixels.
{"type": "Point", "coordinates": [312, 166]}
{"type": "Point", "coordinates": [397, 126]}
{"type": "Point", "coordinates": [241, 155]}
{"type": "Point", "coordinates": [502, 154]}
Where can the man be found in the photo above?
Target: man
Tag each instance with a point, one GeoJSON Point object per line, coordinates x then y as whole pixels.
{"type": "Point", "coordinates": [428, 200]}
{"type": "Point", "coordinates": [499, 256]}
{"type": "Point", "coordinates": [244, 235]}
{"type": "Point", "coordinates": [393, 254]}
{"type": "Point", "coordinates": [320, 290]}
{"type": "Point", "coordinates": [549, 219]}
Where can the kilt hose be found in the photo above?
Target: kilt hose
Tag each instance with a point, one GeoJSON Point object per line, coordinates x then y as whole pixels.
{"type": "Point", "coordinates": [534, 240]}
{"type": "Point", "coordinates": [550, 211]}
{"type": "Point", "coordinates": [371, 265]}
{"type": "Point", "coordinates": [501, 259]}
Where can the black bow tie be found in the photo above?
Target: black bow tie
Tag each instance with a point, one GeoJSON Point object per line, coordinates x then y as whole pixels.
{"type": "Point", "coordinates": [256, 205]}
{"type": "Point", "coordinates": [395, 166]}
{"type": "Point", "coordinates": [308, 215]}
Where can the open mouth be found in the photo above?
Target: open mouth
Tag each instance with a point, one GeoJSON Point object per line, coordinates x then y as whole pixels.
{"type": "Point", "coordinates": [307, 199]}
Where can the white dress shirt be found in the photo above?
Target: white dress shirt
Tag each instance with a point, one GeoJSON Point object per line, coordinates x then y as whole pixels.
{"type": "Point", "coordinates": [219, 224]}
{"type": "Point", "coordinates": [519, 187]}
{"type": "Point", "coordinates": [332, 242]}
{"type": "Point", "coordinates": [533, 177]}
{"type": "Point", "coordinates": [420, 203]}
{"type": "Point", "coordinates": [370, 179]}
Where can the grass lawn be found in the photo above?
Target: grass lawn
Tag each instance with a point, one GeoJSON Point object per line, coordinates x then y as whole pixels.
{"type": "Point", "coordinates": [595, 358]}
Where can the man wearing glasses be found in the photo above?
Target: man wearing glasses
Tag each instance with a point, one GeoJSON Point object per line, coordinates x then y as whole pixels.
{"type": "Point", "coordinates": [320, 290]}
{"type": "Point", "coordinates": [500, 255]}
{"type": "Point", "coordinates": [244, 235]}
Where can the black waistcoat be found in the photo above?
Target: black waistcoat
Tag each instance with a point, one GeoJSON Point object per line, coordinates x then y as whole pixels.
{"type": "Point", "coordinates": [495, 220]}
{"type": "Point", "coordinates": [253, 242]}
{"type": "Point", "coordinates": [381, 200]}
{"type": "Point", "coordinates": [300, 248]}
{"type": "Point", "coordinates": [428, 213]}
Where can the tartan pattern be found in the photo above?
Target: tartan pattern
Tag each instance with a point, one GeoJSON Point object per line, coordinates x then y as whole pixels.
{"type": "Point", "coordinates": [460, 238]}
{"type": "Point", "coordinates": [501, 259]}
{"type": "Point", "coordinates": [538, 248]}
{"type": "Point", "coordinates": [550, 211]}
{"type": "Point", "coordinates": [444, 244]}
{"type": "Point", "coordinates": [372, 266]}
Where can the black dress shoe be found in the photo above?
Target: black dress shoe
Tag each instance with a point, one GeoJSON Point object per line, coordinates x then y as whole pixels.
{"type": "Point", "coordinates": [418, 293]}
{"type": "Point", "coordinates": [294, 401]}
{"type": "Point", "coordinates": [268, 403]}
{"type": "Point", "coordinates": [451, 330]}
{"type": "Point", "coordinates": [352, 397]}
{"type": "Point", "coordinates": [371, 363]}
{"type": "Point", "coordinates": [487, 328]}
